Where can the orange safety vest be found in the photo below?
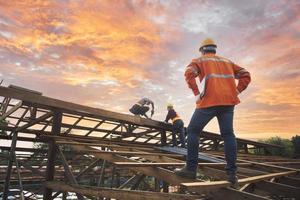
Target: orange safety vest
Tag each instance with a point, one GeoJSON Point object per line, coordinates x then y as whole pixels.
{"type": "Point", "coordinates": [219, 76]}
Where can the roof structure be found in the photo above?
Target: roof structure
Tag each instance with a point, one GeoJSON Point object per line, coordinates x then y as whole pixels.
{"type": "Point", "coordinates": [91, 153]}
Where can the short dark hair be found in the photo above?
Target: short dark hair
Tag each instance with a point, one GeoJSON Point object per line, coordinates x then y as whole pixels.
{"type": "Point", "coordinates": [208, 49]}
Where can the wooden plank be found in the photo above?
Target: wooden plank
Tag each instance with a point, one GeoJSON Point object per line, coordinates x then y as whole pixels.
{"type": "Point", "coordinates": [239, 140]}
{"type": "Point", "coordinates": [33, 122]}
{"type": "Point", "coordinates": [80, 109]}
{"type": "Point", "coordinates": [166, 164]}
{"type": "Point", "coordinates": [206, 186]}
{"type": "Point", "coordinates": [13, 149]}
{"type": "Point", "coordinates": [73, 108]}
{"type": "Point", "coordinates": [56, 127]}
{"type": "Point", "coordinates": [87, 168]}
{"type": "Point", "coordinates": [283, 163]}
{"type": "Point", "coordinates": [182, 151]}
{"type": "Point", "coordinates": [15, 87]}
{"type": "Point", "coordinates": [68, 172]}
{"type": "Point", "coordinates": [129, 181]}
{"type": "Point", "coordinates": [94, 128]}
{"type": "Point", "coordinates": [12, 110]}
{"type": "Point", "coordinates": [101, 177]}
{"type": "Point", "coordinates": [278, 189]}
{"type": "Point", "coordinates": [75, 123]}
{"type": "Point", "coordinates": [289, 181]}
{"type": "Point", "coordinates": [106, 144]}
{"type": "Point", "coordinates": [9, 166]}
{"type": "Point", "coordinates": [5, 105]}
{"type": "Point", "coordinates": [229, 193]}
{"type": "Point", "coordinates": [129, 153]}
{"type": "Point", "coordinates": [118, 193]}
{"type": "Point", "coordinates": [269, 167]}
{"type": "Point", "coordinates": [20, 179]}
{"type": "Point", "coordinates": [162, 174]}
{"type": "Point", "coordinates": [91, 129]}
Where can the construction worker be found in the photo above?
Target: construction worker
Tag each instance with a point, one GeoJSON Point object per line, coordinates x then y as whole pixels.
{"type": "Point", "coordinates": [217, 99]}
{"type": "Point", "coordinates": [178, 125]}
{"type": "Point", "coordinates": [142, 106]}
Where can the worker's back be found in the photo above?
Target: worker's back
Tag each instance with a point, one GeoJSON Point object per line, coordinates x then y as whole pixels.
{"type": "Point", "coordinates": [219, 76]}
{"type": "Point", "coordinates": [144, 101]}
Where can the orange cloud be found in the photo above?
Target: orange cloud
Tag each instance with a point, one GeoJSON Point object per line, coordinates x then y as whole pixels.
{"type": "Point", "coordinates": [93, 35]}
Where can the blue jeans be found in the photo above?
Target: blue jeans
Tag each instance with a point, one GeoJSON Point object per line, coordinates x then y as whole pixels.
{"type": "Point", "coordinates": [178, 128]}
{"type": "Point", "coordinates": [199, 120]}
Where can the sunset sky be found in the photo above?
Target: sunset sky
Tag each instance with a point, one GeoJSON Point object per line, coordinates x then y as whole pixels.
{"type": "Point", "coordinates": [110, 53]}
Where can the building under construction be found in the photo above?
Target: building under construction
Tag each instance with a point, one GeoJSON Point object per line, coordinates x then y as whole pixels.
{"type": "Point", "coordinates": [62, 150]}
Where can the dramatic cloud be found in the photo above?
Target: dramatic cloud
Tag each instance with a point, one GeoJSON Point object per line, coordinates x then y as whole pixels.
{"type": "Point", "coordinates": [110, 53]}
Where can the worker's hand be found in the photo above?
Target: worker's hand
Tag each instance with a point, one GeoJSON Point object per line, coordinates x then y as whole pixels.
{"type": "Point", "coordinates": [197, 98]}
{"type": "Point", "coordinates": [152, 113]}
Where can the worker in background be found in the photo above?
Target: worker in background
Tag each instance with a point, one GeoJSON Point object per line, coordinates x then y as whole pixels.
{"type": "Point", "coordinates": [217, 99]}
{"type": "Point", "coordinates": [178, 126]}
{"type": "Point", "coordinates": [142, 107]}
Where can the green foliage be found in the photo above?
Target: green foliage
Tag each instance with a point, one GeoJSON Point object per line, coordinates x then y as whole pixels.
{"type": "Point", "coordinates": [287, 149]}
{"type": "Point", "coordinates": [296, 144]}
{"type": "Point", "coordinates": [43, 147]}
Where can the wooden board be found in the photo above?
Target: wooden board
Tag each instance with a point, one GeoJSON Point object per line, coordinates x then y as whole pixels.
{"type": "Point", "coordinates": [118, 193]}
{"type": "Point", "coordinates": [207, 186]}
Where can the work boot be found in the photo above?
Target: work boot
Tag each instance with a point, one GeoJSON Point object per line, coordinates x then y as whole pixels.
{"type": "Point", "coordinates": [233, 179]}
{"type": "Point", "coordinates": [184, 172]}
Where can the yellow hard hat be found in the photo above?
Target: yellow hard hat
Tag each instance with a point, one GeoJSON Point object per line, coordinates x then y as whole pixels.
{"type": "Point", "coordinates": [169, 105]}
{"type": "Point", "coordinates": [207, 42]}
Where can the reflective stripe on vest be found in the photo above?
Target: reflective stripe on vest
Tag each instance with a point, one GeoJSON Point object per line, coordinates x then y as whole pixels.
{"type": "Point", "coordinates": [213, 76]}
{"type": "Point", "coordinates": [240, 72]}
{"type": "Point", "coordinates": [214, 59]}
{"type": "Point", "coordinates": [194, 70]}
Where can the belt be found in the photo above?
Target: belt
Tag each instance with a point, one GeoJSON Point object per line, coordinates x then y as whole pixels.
{"type": "Point", "coordinates": [175, 119]}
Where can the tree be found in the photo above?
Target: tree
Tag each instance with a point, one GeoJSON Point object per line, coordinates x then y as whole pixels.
{"type": "Point", "coordinates": [287, 149]}
{"type": "Point", "coordinates": [296, 144]}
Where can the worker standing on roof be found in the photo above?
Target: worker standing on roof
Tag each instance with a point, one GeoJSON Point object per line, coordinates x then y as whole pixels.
{"type": "Point", "coordinates": [142, 106]}
{"type": "Point", "coordinates": [217, 99]}
{"type": "Point", "coordinates": [178, 125]}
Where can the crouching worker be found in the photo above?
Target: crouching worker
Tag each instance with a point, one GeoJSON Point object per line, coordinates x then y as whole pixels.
{"type": "Point", "coordinates": [178, 126]}
{"type": "Point", "coordinates": [142, 107]}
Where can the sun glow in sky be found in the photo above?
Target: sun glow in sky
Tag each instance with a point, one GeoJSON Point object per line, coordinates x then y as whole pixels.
{"type": "Point", "coordinates": [110, 53]}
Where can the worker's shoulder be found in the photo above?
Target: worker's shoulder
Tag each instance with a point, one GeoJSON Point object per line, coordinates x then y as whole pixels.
{"type": "Point", "coordinates": [194, 60]}
{"type": "Point", "coordinates": [214, 58]}
{"type": "Point", "coordinates": [198, 60]}
{"type": "Point", "coordinates": [223, 59]}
